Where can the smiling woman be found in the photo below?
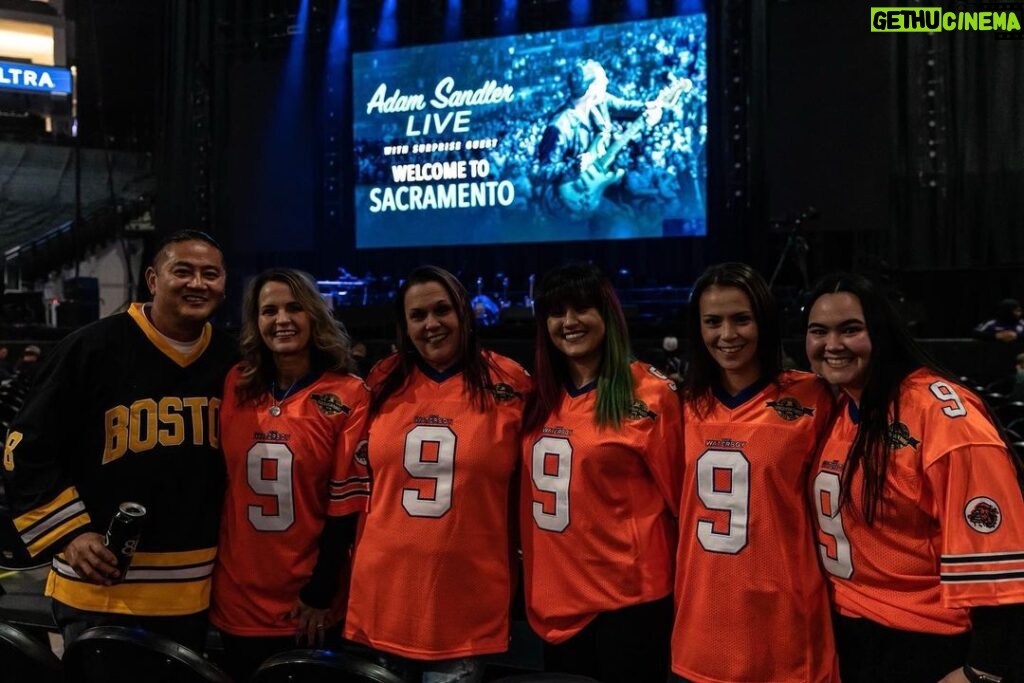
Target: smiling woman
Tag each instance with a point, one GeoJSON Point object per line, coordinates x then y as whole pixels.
{"type": "Point", "coordinates": [293, 429]}
{"type": "Point", "coordinates": [919, 506]}
{"type": "Point", "coordinates": [838, 343]}
{"type": "Point", "coordinates": [443, 447]}
{"type": "Point", "coordinates": [283, 324]}
{"type": "Point", "coordinates": [600, 488]}
{"type": "Point", "coordinates": [433, 325]}
{"type": "Point", "coordinates": [729, 332]}
{"type": "Point", "coordinates": [751, 431]}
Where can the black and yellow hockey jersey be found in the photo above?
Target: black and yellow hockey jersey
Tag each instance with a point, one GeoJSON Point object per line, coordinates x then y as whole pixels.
{"type": "Point", "coordinates": [117, 414]}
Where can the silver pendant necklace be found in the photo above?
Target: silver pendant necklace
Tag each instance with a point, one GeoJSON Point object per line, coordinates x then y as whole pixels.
{"type": "Point", "coordinates": [275, 407]}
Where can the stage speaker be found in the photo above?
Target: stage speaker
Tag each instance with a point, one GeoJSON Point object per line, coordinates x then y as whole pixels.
{"type": "Point", "coordinates": [81, 303]}
{"type": "Point", "coordinates": [82, 289]}
{"type": "Point", "coordinates": [77, 313]}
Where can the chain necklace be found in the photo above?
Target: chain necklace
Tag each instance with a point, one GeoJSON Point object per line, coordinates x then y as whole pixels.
{"type": "Point", "coordinates": [275, 407]}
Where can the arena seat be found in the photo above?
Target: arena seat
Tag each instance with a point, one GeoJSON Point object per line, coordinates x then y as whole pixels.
{"type": "Point", "coordinates": [1019, 448]}
{"type": "Point", "coordinates": [321, 666]}
{"type": "Point", "coordinates": [1010, 412]}
{"type": "Point", "coordinates": [545, 678]}
{"type": "Point", "coordinates": [1003, 386]}
{"type": "Point", "coordinates": [26, 659]}
{"type": "Point", "coordinates": [113, 654]}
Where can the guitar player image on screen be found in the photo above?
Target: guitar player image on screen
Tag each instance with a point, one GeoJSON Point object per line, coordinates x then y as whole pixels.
{"type": "Point", "coordinates": [576, 158]}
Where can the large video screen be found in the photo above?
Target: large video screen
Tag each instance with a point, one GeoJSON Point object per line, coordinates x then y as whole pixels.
{"type": "Point", "coordinates": [580, 134]}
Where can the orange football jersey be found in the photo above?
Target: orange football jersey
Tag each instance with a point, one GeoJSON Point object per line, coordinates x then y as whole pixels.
{"type": "Point", "coordinates": [950, 534]}
{"type": "Point", "coordinates": [431, 569]}
{"type": "Point", "coordinates": [286, 474]}
{"type": "Point", "coordinates": [751, 599]}
{"type": "Point", "coordinates": [598, 504]}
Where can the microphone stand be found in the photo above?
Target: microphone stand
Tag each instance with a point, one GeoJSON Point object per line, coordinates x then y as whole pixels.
{"type": "Point", "coordinates": [797, 245]}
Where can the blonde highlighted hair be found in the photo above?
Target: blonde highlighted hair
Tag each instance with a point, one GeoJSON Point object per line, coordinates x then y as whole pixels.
{"type": "Point", "coordinates": [330, 346]}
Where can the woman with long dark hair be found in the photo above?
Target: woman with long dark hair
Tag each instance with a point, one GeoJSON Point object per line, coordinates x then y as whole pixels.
{"type": "Point", "coordinates": [292, 424]}
{"type": "Point", "coordinates": [431, 583]}
{"type": "Point", "coordinates": [752, 601]}
{"type": "Point", "coordinates": [919, 507]}
{"type": "Point", "coordinates": [601, 467]}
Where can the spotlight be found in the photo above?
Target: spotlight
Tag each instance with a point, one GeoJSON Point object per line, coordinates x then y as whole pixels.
{"type": "Point", "coordinates": [636, 9]}
{"type": "Point", "coordinates": [387, 27]}
{"type": "Point", "coordinates": [579, 12]}
{"type": "Point", "coordinates": [453, 20]}
{"type": "Point", "coordinates": [507, 17]}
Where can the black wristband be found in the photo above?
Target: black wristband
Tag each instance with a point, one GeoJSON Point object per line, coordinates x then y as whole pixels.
{"type": "Point", "coordinates": [978, 677]}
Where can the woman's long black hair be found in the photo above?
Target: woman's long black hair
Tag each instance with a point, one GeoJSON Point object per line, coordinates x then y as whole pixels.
{"type": "Point", "coordinates": [894, 355]}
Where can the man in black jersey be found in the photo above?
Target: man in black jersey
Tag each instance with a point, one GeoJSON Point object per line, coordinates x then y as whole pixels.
{"type": "Point", "coordinates": [126, 409]}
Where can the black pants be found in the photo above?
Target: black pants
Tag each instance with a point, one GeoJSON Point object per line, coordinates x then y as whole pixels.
{"type": "Point", "coordinates": [188, 630]}
{"type": "Point", "coordinates": [872, 653]}
{"type": "Point", "coordinates": [629, 645]}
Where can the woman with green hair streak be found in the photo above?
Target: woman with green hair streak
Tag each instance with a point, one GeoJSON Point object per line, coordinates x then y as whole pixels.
{"type": "Point", "coordinates": [602, 455]}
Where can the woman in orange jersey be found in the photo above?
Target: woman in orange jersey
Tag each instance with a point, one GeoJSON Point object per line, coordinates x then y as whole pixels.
{"type": "Point", "coordinates": [752, 603]}
{"type": "Point", "coordinates": [292, 423]}
{"type": "Point", "coordinates": [919, 507]}
{"type": "Point", "coordinates": [431, 583]}
{"type": "Point", "coordinates": [602, 454]}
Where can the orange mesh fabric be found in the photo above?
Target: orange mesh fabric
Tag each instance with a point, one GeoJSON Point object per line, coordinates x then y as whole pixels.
{"type": "Point", "coordinates": [751, 600]}
{"type": "Point", "coordinates": [431, 571]}
{"type": "Point", "coordinates": [951, 532]}
{"type": "Point", "coordinates": [286, 474]}
{"type": "Point", "coordinates": [597, 509]}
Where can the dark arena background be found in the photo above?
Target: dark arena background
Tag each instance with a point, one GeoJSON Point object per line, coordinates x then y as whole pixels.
{"type": "Point", "coordinates": [357, 139]}
{"type": "Point", "coordinates": [795, 139]}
